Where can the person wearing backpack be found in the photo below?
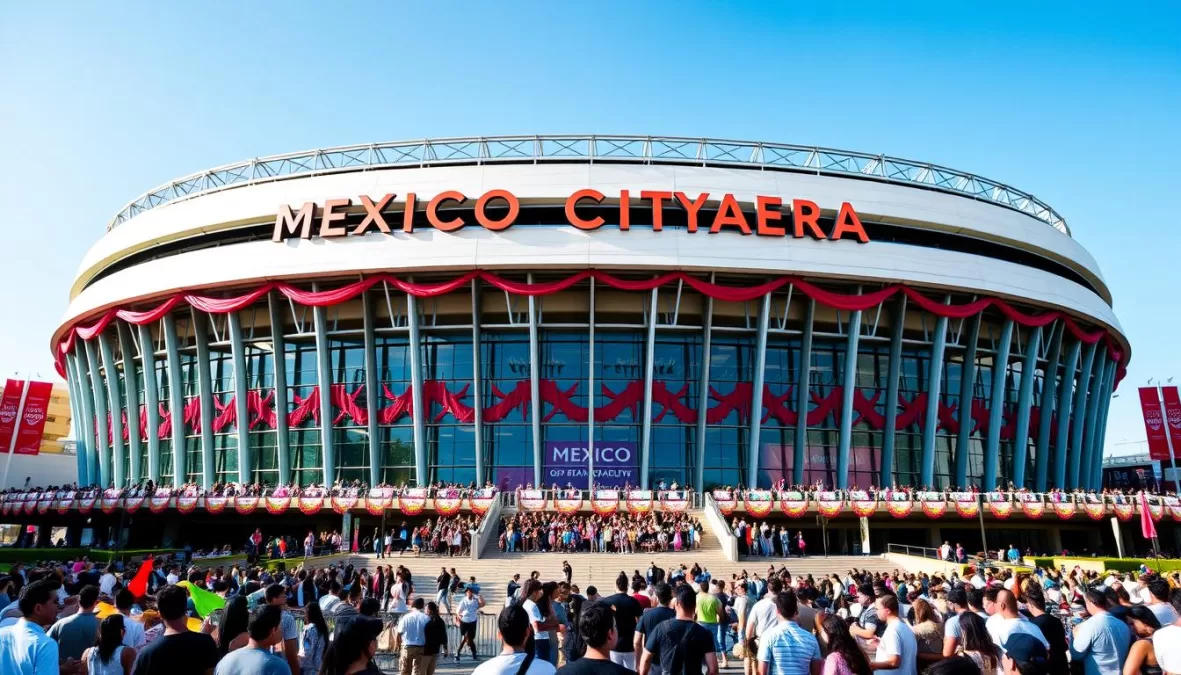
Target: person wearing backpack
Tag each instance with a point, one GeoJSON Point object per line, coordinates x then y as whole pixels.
{"type": "Point", "coordinates": [680, 645]}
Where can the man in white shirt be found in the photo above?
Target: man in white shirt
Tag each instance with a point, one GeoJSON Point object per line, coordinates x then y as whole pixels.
{"type": "Point", "coordinates": [1006, 621]}
{"type": "Point", "coordinates": [466, 618]}
{"type": "Point", "coordinates": [172, 577]}
{"type": "Point", "coordinates": [25, 649]}
{"type": "Point", "coordinates": [106, 583]}
{"type": "Point", "coordinates": [133, 631]}
{"type": "Point", "coordinates": [945, 551]}
{"type": "Point", "coordinates": [327, 602]}
{"type": "Point", "coordinates": [411, 638]}
{"type": "Point", "coordinates": [897, 650]}
{"type": "Point", "coordinates": [977, 580]}
{"type": "Point", "coordinates": [1158, 601]}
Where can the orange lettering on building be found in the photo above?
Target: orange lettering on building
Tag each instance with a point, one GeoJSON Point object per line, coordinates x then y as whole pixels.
{"type": "Point", "coordinates": [848, 221]}
{"type": "Point", "coordinates": [658, 198]}
{"type": "Point", "coordinates": [764, 214]}
{"type": "Point", "coordinates": [333, 213]}
{"type": "Point", "coordinates": [729, 215]}
{"type": "Point", "coordinates": [373, 214]}
{"type": "Point", "coordinates": [432, 211]}
{"type": "Point", "coordinates": [806, 213]}
{"type": "Point", "coordinates": [692, 207]}
{"type": "Point", "coordinates": [514, 208]}
{"type": "Point", "coordinates": [574, 219]}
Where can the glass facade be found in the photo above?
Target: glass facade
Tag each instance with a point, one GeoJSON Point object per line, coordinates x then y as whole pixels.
{"type": "Point", "coordinates": [696, 370]}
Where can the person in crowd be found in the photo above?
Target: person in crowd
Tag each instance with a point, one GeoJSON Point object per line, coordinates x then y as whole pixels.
{"type": "Point", "coordinates": [109, 656]}
{"type": "Point", "coordinates": [265, 629]}
{"type": "Point", "coordinates": [1050, 626]}
{"type": "Point", "coordinates": [288, 648]}
{"type": "Point", "coordinates": [708, 608]}
{"type": "Point", "coordinates": [927, 631]}
{"type": "Point", "coordinates": [314, 641]}
{"type": "Point", "coordinates": [627, 614]}
{"type": "Point", "coordinates": [845, 657]}
{"type": "Point", "coordinates": [1158, 601]}
{"type": "Point", "coordinates": [957, 604]}
{"type": "Point", "coordinates": [514, 624]}
{"type": "Point", "coordinates": [597, 627]}
{"type": "Point", "coordinates": [651, 619]}
{"type": "Point", "coordinates": [178, 651]}
{"type": "Point", "coordinates": [1006, 620]}
{"type": "Point", "coordinates": [329, 600]}
{"type": "Point", "coordinates": [680, 645]}
{"type": "Point", "coordinates": [25, 648]}
{"type": "Point", "coordinates": [353, 648]}
{"type": "Point", "coordinates": [77, 632]}
{"type": "Point", "coordinates": [977, 644]}
{"type": "Point", "coordinates": [1141, 657]}
{"type": "Point", "coordinates": [233, 631]}
{"type": "Point", "coordinates": [897, 649]}
{"type": "Point", "coordinates": [514, 585]}
{"type": "Point", "coordinates": [1024, 654]}
{"type": "Point", "coordinates": [466, 618]}
{"type": "Point", "coordinates": [1101, 642]}
{"type": "Point", "coordinates": [788, 649]}
{"type": "Point", "coordinates": [435, 639]}
{"type": "Point", "coordinates": [411, 638]}
{"type": "Point", "coordinates": [443, 590]}
{"type": "Point", "coordinates": [133, 631]}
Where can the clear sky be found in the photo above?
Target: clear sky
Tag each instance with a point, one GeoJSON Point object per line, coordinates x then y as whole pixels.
{"type": "Point", "coordinates": [1076, 103]}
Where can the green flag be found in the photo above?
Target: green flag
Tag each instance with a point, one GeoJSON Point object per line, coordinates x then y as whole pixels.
{"type": "Point", "coordinates": [203, 601]}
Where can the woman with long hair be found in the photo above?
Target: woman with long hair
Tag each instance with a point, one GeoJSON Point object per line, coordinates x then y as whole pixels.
{"type": "Point", "coordinates": [575, 646]}
{"type": "Point", "coordinates": [1141, 657]}
{"type": "Point", "coordinates": [927, 631]}
{"type": "Point", "coordinates": [352, 650]}
{"type": "Point", "coordinates": [844, 656]}
{"type": "Point", "coordinates": [230, 633]}
{"type": "Point", "coordinates": [977, 644]}
{"type": "Point", "coordinates": [109, 656]}
{"type": "Point", "coordinates": [314, 640]}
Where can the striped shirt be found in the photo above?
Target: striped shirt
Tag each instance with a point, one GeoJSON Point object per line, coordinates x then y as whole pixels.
{"type": "Point", "coordinates": [788, 649]}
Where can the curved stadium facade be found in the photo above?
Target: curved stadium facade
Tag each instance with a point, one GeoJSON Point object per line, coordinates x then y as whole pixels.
{"type": "Point", "coordinates": [698, 311]}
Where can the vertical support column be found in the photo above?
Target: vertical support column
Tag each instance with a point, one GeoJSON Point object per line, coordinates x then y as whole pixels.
{"type": "Point", "coordinates": [176, 396]}
{"type": "Point", "coordinates": [934, 390]}
{"type": "Point", "coordinates": [238, 353]}
{"type": "Point", "coordinates": [891, 407]}
{"type": "Point", "coordinates": [205, 392]}
{"type": "Point", "coordinates": [649, 357]}
{"type": "Point", "coordinates": [131, 392]}
{"type": "Point", "coordinates": [279, 363]}
{"type": "Point", "coordinates": [115, 399]}
{"type": "Point", "coordinates": [1101, 430]}
{"type": "Point", "coordinates": [1046, 410]}
{"type": "Point", "coordinates": [372, 382]}
{"type": "Point", "coordinates": [151, 402]}
{"type": "Point", "coordinates": [82, 420]}
{"type": "Point", "coordinates": [703, 391]}
{"type": "Point", "coordinates": [845, 438]}
{"type": "Point", "coordinates": [535, 388]}
{"type": "Point", "coordinates": [996, 407]}
{"type": "Point", "coordinates": [1024, 401]}
{"type": "Point", "coordinates": [324, 376]}
{"type": "Point", "coordinates": [590, 396]}
{"type": "Point", "coordinates": [1075, 457]}
{"type": "Point", "coordinates": [803, 384]}
{"type": "Point", "coordinates": [756, 404]}
{"type": "Point", "coordinates": [963, 440]}
{"type": "Point", "coordinates": [1064, 403]}
{"type": "Point", "coordinates": [100, 412]}
{"type": "Point", "coordinates": [85, 386]}
{"type": "Point", "coordinates": [477, 385]}
{"type": "Point", "coordinates": [1093, 396]}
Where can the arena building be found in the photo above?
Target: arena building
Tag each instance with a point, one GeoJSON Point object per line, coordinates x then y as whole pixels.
{"type": "Point", "coordinates": [488, 309]}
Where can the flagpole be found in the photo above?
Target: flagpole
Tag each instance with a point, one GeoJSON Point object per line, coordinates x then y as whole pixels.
{"type": "Point", "coordinates": [20, 413]}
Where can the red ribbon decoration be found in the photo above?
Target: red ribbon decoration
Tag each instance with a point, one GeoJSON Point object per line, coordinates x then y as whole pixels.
{"type": "Point", "coordinates": [327, 298]}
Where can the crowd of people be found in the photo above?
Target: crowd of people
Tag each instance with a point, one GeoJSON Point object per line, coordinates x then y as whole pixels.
{"type": "Point", "coordinates": [445, 535]}
{"type": "Point", "coordinates": [617, 533]}
{"type": "Point", "coordinates": [354, 488]}
{"type": "Point", "coordinates": [989, 622]}
{"type": "Point", "coordinates": [77, 617]}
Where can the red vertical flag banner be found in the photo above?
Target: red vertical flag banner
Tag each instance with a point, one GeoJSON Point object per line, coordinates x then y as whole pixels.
{"type": "Point", "coordinates": [28, 437]}
{"type": "Point", "coordinates": [1158, 444]}
{"type": "Point", "coordinates": [1173, 415]}
{"type": "Point", "coordinates": [9, 402]}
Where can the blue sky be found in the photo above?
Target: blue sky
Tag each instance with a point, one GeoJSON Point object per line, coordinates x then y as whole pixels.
{"type": "Point", "coordinates": [1075, 103]}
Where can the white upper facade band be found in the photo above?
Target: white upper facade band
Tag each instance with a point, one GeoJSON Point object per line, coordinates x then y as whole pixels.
{"type": "Point", "coordinates": [97, 288]}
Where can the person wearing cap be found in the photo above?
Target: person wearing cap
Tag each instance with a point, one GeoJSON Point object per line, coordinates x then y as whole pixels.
{"type": "Point", "coordinates": [411, 638]}
{"type": "Point", "coordinates": [1024, 654]}
{"type": "Point", "coordinates": [1101, 642]}
{"type": "Point", "coordinates": [265, 629]}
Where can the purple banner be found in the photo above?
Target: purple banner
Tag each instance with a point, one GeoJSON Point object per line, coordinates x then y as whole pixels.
{"type": "Point", "coordinates": [616, 464]}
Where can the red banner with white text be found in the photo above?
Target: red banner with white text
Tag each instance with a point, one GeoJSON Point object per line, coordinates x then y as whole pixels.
{"type": "Point", "coordinates": [9, 403]}
{"type": "Point", "coordinates": [1172, 415]}
{"type": "Point", "coordinates": [1154, 425]}
{"type": "Point", "coordinates": [28, 436]}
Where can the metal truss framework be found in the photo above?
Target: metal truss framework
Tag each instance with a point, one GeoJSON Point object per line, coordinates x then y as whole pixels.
{"type": "Point", "coordinates": [592, 148]}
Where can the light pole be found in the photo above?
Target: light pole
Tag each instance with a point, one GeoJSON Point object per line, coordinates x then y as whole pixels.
{"type": "Point", "coordinates": [16, 427]}
{"type": "Point", "coordinates": [1164, 415]}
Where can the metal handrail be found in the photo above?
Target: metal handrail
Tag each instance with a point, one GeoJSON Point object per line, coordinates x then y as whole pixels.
{"type": "Point", "coordinates": [705, 152]}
